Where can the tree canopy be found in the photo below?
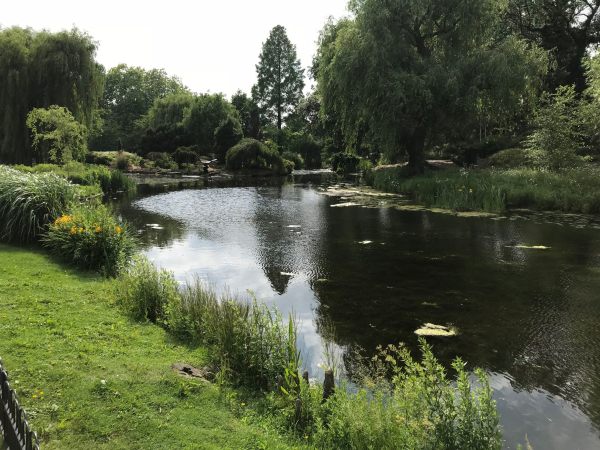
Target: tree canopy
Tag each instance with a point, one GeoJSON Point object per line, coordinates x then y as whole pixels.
{"type": "Point", "coordinates": [129, 93]}
{"type": "Point", "coordinates": [40, 69]}
{"type": "Point", "coordinates": [280, 77]}
{"type": "Point", "coordinates": [414, 71]}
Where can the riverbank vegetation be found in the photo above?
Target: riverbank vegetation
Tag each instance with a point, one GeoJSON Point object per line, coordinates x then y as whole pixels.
{"type": "Point", "coordinates": [403, 402]}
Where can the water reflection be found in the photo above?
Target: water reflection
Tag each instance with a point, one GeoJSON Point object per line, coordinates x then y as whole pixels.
{"type": "Point", "coordinates": [529, 316]}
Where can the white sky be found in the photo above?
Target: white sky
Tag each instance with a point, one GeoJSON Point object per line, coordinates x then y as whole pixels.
{"type": "Point", "coordinates": [212, 45]}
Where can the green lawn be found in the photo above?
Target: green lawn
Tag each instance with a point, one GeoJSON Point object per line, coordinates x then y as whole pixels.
{"type": "Point", "coordinates": [89, 377]}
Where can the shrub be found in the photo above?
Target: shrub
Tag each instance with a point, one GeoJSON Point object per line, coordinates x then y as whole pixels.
{"type": "Point", "coordinates": [162, 160]}
{"type": "Point", "coordinates": [308, 148]}
{"type": "Point", "coordinates": [295, 158]}
{"type": "Point", "coordinates": [227, 134]}
{"type": "Point", "coordinates": [288, 166]}
{"type": "Point", "coordinates": [251, 154]}
{"type": "Point", "coordinates": [91, 238]}
{"type": "Point", "coordinates": [145, 291]}
{"type": "Point", "coordinates": [344, 162]}
{"type": "Point", "coordinates": [510, 158]}
{"type": "Point", "coordinates": [556, 138]}
{"type": "Point", "coordinates": [29, 202]}
{"type": "Point", "coordinates": [185, 155]}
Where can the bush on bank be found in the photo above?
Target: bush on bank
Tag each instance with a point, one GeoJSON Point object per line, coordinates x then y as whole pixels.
{"type": "Point", "coordinates": [419, 407]}
{"type": "Point", "coordinates": [250, 154]}
{"type": "Point", "coordinates": [91, 238]}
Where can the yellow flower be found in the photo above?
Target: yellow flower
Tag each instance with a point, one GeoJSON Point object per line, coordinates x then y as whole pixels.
{"type": "Point", "coordinates": [80, 230]}
{"type": "Point", "coordinates": [73, 230]}
{"type": "Point", "coordinates": [64, 219]}
{"type": "Point", "coordinates": [118, 229]}
{"type": "Point", "coordinates": [98, 229]}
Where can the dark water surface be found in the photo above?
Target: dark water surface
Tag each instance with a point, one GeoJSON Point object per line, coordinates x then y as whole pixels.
{"type": "Point", "coordinates": [530, 317]}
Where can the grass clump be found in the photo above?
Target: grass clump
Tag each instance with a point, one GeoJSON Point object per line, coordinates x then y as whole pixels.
{"type": "Point", "coordinates": [29, 202]}
{"type": "Point", "coordinates": [91, 238]}
{"type": "Point", "coordinates": [251, 344]}
{"type": "Point", "coordinates": [575, 190]}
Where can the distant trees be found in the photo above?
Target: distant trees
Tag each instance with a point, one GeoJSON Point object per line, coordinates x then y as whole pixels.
{"type": "Point", "coordinates": [413, 72]}
{"type": "Point", "coordinates": [207, 121]}
{"type": "Point", "coordinates": [40, 69]}
{"type": "Point", "coordinates": [280, 77]}
{"type": "Point", "coordinates": [57, 136]}
{"type": "Point", "coordinates": [129, 93]}
{"type": "Point", "coordinates": [248, 112]}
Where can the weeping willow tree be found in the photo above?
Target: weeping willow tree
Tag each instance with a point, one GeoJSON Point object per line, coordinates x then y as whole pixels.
{"type": "Point", "coordinates": [40, 69]}
{"type": "Point", "coordinates": [416, 71]}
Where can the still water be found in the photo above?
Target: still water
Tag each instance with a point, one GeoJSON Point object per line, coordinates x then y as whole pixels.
{"type": "Point", "coordinates": [529, 316]}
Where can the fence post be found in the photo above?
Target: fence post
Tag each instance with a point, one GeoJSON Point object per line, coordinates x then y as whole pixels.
{"type": "Point", "coordinates": [13, 420]}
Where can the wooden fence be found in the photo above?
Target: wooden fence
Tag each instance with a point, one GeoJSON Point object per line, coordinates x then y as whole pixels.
{"type": "Point", "coordinates": [13, 420]}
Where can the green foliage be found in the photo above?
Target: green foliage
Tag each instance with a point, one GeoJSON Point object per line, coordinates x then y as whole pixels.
{"type": "Point", "coordinates": [227, 134]}
{"type": "Point", "coordinates": [572, 190]}
{"type": "Point", "coordinates": [419, 409]}
{"type": "Point", "coordinates": [556, 136]}
{"type": "Point", "coordinates": [295, 158]}
{"type": "Point", "coordinates": [511, 158]}
{"type": "Point", "coordinates": [280, 77]}
{"type": "Point", "coordinates": [185, 155]}
{"type": "Point", "coordinates": [57, 136]}
{"type": "Point", "coordinates": [246, 339]}
{"type": "Point", "coordinates": [409, 73]}
{"type": "Point", "coordinates": [251, 154]}
{"type": "Point", "coordinates": [40, 69]}
{"type": "Point", "coordinates": [288, 166]}
{"type": "Point", "coordinates": [91, 238]}
{"type": "Point", "coordinates": [162, 160]}
{"type": "Point", "coordinates": [249, 114]}
{"type": "Point", "coordinates": [344, 162]}
{"type": "Point", "coordinates": [122, 163]}
{"type": "Point", "coordinates": [129, 94]}
{"type": "Point", "coordinates": [307, 147]}
{"type": "Point", "coordinates": [146, 292]}
{"type": "Point", "coordinates": [206, 115]}
{"type": "Point", "coordinates": [29, 202]}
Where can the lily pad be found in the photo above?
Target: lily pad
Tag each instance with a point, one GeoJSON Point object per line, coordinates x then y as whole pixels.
{"type": "Point", "coordinates": [533, 247]}
{"type": "Point", "coordinates": [430, 329]}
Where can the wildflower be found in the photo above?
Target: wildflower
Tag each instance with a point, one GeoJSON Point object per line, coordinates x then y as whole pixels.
{"type": "Point", "coordinates": [98, 229]}
{"type": "Point", "coordinates": [118, 229]}
{"type": "Point", "coordinates": [470, 191]}
{"type": "Point", "coordinates": [73, 230]}
{"type": "Point", "coordinates": [80, 230]}
{"type": "Point", "coordinates": [64, 219]}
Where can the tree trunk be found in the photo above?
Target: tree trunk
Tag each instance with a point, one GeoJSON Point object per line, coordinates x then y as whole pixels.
{"type": "Point", "coordinates": [416, 155]}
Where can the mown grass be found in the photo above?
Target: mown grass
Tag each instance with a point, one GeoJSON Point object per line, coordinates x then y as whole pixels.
{"type": "Point", "coordinates": [573, 190]}
{"type": "Point", "coordinates": [61, 336]}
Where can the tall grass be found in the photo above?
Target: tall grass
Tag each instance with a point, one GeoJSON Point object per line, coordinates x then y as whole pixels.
{"type": "Point", "coordinates": [250, 342]}
{"type": "Point", "coordinates": [570, 190]}
{"type": "Point", "coordinates": [29, 202]}
{"type": "Point", "coordinates": [398, 402]}
{"type": "Point", "coordinates": [108, 180]}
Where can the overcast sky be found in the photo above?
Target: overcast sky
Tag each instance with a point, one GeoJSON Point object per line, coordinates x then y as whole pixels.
{"type": "Point", "coordinates": [211, 45]}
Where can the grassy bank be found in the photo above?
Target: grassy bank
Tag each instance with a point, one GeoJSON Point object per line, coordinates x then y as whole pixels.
{"type": "Point", "coordinates": [61, 336]}
{"type": "Point", "coordinates": [492, 190]}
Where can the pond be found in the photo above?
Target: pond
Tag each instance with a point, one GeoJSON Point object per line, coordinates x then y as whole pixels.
{"type": "Point", "coordinates": [523, 290]}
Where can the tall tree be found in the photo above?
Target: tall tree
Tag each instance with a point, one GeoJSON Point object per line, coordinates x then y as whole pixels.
{"type": "Point", "coordinates": [40, 69]}
{"type": "Point", "coordinates": [129, 93]}
{"type": "Point", "coordinates": [280, 77]}
{"type": "Point", "coordinates": [413, 71]}
{"type": "Point", "coordinates": [566, 28]}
